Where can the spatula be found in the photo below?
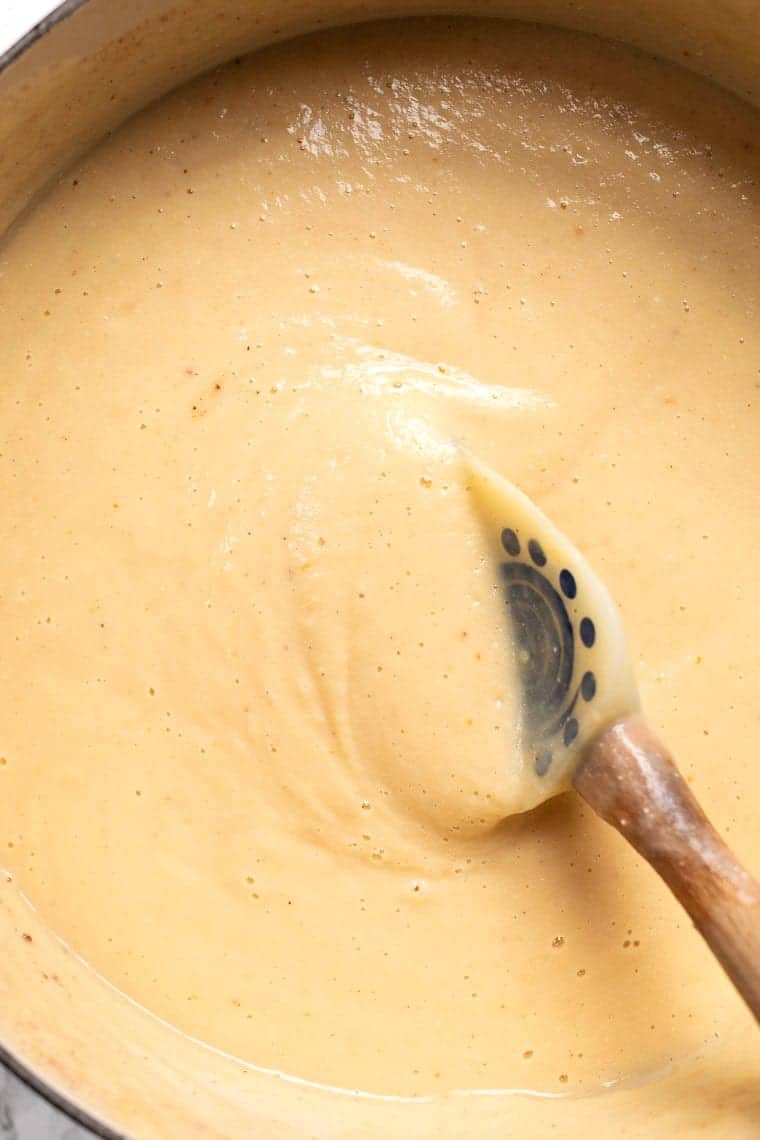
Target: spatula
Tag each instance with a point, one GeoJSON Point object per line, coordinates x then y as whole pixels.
{"type": "Point", "coordinates": [582, 725]}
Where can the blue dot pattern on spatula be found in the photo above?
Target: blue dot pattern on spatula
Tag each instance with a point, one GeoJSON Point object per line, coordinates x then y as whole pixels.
{"type": "Point", "coordinates": [546, 647]}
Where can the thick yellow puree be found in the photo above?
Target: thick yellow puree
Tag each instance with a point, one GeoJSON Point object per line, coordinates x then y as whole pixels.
{"type": "Point", "coordinates": [256, 712]}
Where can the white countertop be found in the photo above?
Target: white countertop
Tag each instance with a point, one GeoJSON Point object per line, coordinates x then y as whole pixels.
{"type": "Point", "coordinates": [17, 17]}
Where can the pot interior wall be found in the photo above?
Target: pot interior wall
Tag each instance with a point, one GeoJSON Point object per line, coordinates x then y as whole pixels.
{"type": "Point", "coordinates": [104, 60]}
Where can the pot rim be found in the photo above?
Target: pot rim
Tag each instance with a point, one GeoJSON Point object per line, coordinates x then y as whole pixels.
{"type": "Point", "coordinates": [59, 13]}
{"type": "Point", "coordinates": [18, 1068]}
{"type": "Point", "coordinates": [39, 1087]}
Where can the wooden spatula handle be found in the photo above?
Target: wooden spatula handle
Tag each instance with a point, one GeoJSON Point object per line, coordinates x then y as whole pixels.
{"type": "Point", "coordinates": [630, 780]}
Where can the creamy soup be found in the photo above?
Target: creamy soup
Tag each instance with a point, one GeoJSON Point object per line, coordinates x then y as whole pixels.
{"type": "Point", "coordinates": [257, 713]}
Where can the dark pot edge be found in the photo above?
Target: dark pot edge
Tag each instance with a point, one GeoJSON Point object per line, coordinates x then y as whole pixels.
{"type": "Point", "coordinates": [25, 1074]}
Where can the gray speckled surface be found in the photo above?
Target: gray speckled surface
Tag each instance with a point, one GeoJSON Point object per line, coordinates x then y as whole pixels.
{"type": "Point", "coordinates": [26, 1116]}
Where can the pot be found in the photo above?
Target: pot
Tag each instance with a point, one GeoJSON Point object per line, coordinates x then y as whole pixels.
{"type": "Point", "coordinates": [86, 1047]}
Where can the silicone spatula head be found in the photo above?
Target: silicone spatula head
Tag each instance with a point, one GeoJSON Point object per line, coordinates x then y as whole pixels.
{"type": "Point", "coordinates": [581, 726]}
{"type": "Point", "coordinates": [570, 652]}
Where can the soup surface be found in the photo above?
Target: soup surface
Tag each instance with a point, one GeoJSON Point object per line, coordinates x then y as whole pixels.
{"type": "Point", "coordinates": [257, 714]}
